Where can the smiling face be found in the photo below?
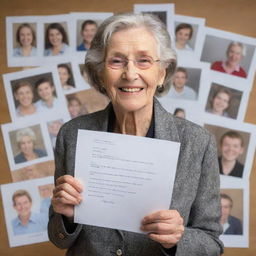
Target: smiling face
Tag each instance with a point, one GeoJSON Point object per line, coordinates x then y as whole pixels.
{"type": "Point", "coordinates": [26, 145]}
{"type": "Point", "coordinates": [55, 37]}
{"type": "Point", "coordinates": [24, 96]}
{"type": "Point", "coordinates": [235, 55]}
{"type": "Point", "coordinates": [180, 80]}
{"type": "Point", "coordinates": [183, 36]}
{"type": "Point", "coordinates": [25, 37]}
{"type": "Point", "coordinates": [132, 89]}
{"type": "Point", "coordinates": [45, 91]}
{"type": "Point", "coordinates": [22, 205]}
{"type": "Point", "coordinates": [89, 32]}
{"type": "Point", "coordinates": [74, 108]}
{"type": "Point", "coordinates": [64, 75]}
{"type": "Point", "coordinates": [231, 148]}
{"type": "Point", "coordinates": [220, 102]}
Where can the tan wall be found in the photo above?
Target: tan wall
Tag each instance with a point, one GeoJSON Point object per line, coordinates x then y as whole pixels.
{"type": "Point", "coordinates": [237, 16]}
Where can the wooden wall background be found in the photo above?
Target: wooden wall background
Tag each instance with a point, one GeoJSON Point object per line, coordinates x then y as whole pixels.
{"type": "Point", "coordinates": [238, 16]}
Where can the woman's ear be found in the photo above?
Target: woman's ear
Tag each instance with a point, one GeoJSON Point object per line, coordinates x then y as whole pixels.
{"type": "Point", "coordinates": [162, 75]}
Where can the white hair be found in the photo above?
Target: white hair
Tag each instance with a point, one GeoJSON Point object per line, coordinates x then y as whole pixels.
{"type": "Point", "coordinates": [237, 44]}
{"type": "Point", "coordinates": [25, 132]}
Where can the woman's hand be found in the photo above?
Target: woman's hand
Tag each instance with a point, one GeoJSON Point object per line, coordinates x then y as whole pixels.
{"type": "Point", "coordinates": [66, 194]}
{"type": "Point", "coordinates": [165, 227]}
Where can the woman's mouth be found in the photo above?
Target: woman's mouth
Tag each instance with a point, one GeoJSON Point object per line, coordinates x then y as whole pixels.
{"type": "Point", "coordinates": [132, 90]}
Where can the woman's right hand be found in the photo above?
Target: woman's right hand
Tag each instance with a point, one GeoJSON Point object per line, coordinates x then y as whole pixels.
{"type": "Point", "coordinates": [66, 195]}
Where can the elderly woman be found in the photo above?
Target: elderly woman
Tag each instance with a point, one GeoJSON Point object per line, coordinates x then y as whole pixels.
{"type": "Point", "coordinates": [23, 93]}
{"type": "Point", "coordinates": [220, 102]}
{"type": "Point", "coordinates": [56, 40]}
{"type": "Point", "coordinates": [26, 38]}
{"type": "Point", "coordinates": [131, 61]}
{"type": "Point", "coordinates": [235, 54]}
{"type": "Point", "coordinates": [26, 139]}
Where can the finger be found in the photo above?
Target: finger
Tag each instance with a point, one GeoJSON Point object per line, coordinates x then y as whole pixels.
{"type": "Point", "coordinates": [65, 209]}
{"type": "Point", "coordinates": [166, 240]}
{"type": "Point", "coordinates": [65, 198]}
{"type": "Point", "coordinates": [70, 180]}
{"type": "Point", "coordinates": [67, 188]}
{"type": "Point", "coordinates": [161, 228]}
{"type": "Point", "coordinates": [160, 215]}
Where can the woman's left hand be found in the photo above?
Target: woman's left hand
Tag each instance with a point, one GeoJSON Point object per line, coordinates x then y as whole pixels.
{"type": "Point", "coordinates": [165, 227]}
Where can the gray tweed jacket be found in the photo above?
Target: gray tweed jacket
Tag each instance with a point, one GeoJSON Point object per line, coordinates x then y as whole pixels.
{"type": "Point", "coordinates": [195, 194]}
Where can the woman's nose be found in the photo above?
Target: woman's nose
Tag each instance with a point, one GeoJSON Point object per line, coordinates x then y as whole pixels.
{"type": "Point", "coordinates": [130, 71]}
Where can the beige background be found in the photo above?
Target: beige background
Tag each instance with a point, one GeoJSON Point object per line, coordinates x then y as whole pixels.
{"type": "Point", "coordinates": [36, 171]}
{"type": "Point", "coordinates": [236, 16]}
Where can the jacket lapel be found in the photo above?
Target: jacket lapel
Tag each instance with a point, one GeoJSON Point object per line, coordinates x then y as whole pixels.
{"type": "Point", "coordinates": [165, 127]}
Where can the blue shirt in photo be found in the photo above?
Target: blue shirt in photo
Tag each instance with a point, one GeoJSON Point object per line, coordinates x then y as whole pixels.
{"type": "Point", "coordinates": [37, 223]}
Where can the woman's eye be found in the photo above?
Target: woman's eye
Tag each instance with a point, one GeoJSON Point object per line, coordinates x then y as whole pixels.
{"type": "Point", "coordinates": [117, 61]}
{"type": "Point", "coordinates": [143, 60]}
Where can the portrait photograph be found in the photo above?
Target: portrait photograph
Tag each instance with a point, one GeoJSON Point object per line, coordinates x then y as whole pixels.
{"type": "Point", "coordinates": [34, 92]}
{"type": "Point", "coordinates": [188, 82]}
{"type": "Point", "coordinates": [85, 101]}
{"type": "Point", "coordinates": [23, 41]}
{"type": "Point", "coordinates": [66, 76]}
{"type": "Point", "coordinates": [26, 206]}
{"type": "Point", "coordinates": [84, 26]}
{"type": "Point", "coordinates": [34, 171]}
{"type": "Point", "coordinates": [235, 216]}
{"type": "Point", "coordinates": [81, 75]}
{"type": "Point", "coordinates": [236, 147]}
{"type": "Point", "coordinates": [53, 126]}
{"type": "Point", "coordinates": [183, 109]}
{"type": "Point", "coordinates": [224, 100]}
{"type": "Point", "coordinates": [26, 144]}
{"type": "Point", "coordinates": [56, 37]}
{"type": "Point", "coordinates": [165, 12]}
{"type": "Point", "coordinates": [45, 192]}
{"type": "Point", "coordinates": [188, 36]}
{"type": "Point", "coordinates": [232, 56]}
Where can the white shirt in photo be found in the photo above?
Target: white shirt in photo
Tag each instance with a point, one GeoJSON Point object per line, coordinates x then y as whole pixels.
{"type": "Point", "coordinates": [187, 93]}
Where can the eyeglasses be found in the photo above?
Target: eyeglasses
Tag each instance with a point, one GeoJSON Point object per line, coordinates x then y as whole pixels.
{"type": "Point", "coordinates": [141, 62]}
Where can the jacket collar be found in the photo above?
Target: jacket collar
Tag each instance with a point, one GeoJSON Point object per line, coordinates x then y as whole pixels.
{"type": "Point", "coordinates": [165, 127]}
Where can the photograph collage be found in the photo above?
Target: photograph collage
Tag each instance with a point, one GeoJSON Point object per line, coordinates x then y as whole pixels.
{"type": "Point", "coordinates": [210, 87]}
